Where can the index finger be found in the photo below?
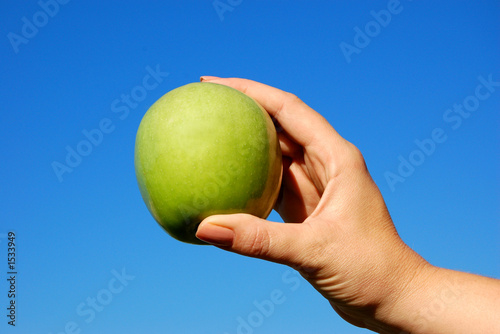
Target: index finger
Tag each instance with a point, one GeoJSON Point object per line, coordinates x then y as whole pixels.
{"type": "Point", "coordinates": [302, 123]}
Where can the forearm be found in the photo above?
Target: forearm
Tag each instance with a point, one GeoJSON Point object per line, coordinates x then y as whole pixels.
{"type": "Point", "coordinates": [439, 300]}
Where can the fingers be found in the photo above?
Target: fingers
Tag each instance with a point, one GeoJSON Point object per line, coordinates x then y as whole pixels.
{"type": "Point", "coordinates": [301, 123]}
{"type": "Point", "coordinates": [288, 147]}
{"type": "Point", "coordinates": [251, 236]}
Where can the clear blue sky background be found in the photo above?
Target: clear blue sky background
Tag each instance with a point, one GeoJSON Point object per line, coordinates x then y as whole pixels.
{"type": "Point", "coordinates": [69, 75]}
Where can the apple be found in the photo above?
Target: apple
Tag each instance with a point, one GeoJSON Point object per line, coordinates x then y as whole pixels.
{"type": "Point", "coordinates": [205, 149]}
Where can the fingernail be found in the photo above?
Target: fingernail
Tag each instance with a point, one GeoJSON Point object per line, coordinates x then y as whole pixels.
{"type": "Point", "coordinates": [215, 234]}
{"type": "Point", "coordinates": [207, 78]}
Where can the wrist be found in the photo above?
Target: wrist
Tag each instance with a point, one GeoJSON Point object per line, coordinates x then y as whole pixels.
{"type": "Point", "coordinates": [440, 300]}
{"type": "Point", "coordinates": [412, 278]}
{"type": "Point", "coordinates": [385, 289]}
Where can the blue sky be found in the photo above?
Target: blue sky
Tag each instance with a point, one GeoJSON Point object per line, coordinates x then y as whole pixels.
{"type": "Point", "coordinates": [91, 259]}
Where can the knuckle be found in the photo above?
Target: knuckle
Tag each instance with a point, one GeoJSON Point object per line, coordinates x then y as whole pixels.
{"type": "Point", "coordinates": [259, 243]}
{"type": "Point", "coordinates": [288, 100]}
{"type": "Point", "coordinates": [355, 159]}
{"type": "Point", "coordinates": [291, 99]}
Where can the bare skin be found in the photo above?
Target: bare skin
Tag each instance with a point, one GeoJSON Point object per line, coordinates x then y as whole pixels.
{"type": "Point", "coordinates": [344, 241]}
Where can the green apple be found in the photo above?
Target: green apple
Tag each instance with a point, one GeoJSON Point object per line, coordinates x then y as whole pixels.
{"type": "Point", "coordinates": [205, 149]}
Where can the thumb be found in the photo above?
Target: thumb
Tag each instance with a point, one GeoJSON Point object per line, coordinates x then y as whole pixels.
{"type": "Point", "coordinates": [251, 236]}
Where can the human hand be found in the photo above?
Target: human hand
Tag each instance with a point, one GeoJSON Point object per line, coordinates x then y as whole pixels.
{"type": "Point", "coordinates": [346, 245]}
{"type": "Point", "coordinates": [341, 237]}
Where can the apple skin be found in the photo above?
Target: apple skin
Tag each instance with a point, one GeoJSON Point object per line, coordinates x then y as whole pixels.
{"type": "Point", "coordinates": [205, 149]}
